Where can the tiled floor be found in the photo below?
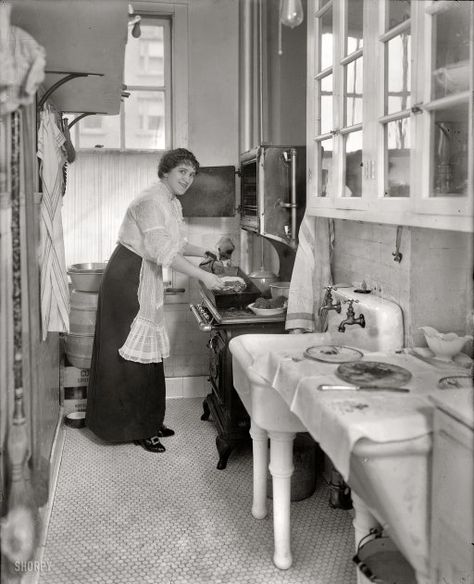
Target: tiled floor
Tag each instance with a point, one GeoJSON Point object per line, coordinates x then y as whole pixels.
{"type": "Point", "coordinates": [122, 515]}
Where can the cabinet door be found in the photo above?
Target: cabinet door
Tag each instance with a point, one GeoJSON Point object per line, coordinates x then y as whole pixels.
{"type": "Point", "coordinates": [392, 129]}
{"type": "Point", "coordinates": [335, 98]}
{"type": "Point", "coordinates": [446, 126]}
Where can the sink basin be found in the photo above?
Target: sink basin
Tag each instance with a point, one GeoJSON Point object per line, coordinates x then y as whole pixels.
{"type": "Point", "coordinates": [375, 478]}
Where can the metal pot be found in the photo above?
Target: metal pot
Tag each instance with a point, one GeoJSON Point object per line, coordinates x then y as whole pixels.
{"type": "Point", "coordinates": [262, 279]}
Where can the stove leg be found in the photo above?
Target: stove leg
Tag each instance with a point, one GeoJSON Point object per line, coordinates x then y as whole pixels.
{"type": "Point", "coordinates": [224, 449]}
{"type": "Point", "coordinates": [281, 468]}
{"type": "Point", "coordinates": [260, 468]}
{"type": "Point", "coordinates": [207, 411]}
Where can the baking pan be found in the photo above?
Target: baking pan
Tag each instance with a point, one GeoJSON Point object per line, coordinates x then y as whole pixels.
{"type": "Point", "coordinates": [222, 299]}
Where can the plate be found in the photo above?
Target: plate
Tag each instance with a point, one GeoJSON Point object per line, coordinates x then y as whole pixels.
{"type": "Point", "coordinates": [333, 353]}
{"type": "Point", "coordinates": [266, 311]}
{"type": "Point", "coordinates": [456, 382]}
{"type": "Point", "coordinates": [373, 373]}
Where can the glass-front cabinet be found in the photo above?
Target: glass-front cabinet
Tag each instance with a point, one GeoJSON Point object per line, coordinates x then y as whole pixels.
{"type": "Point", "coordinates": [390, 111]}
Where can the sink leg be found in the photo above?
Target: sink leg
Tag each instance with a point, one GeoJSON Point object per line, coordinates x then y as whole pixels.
{"type": "Point", "coordinates": [363, 522]}
{"type": "Point", "coordinates": [281, 468]}
{"type": "Point", "coordinates": [260, 466]}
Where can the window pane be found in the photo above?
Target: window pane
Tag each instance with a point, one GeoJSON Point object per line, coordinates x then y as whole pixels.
{"type": "Point", "coordinates": [326, 43]}
{"type": "Point", "coordinates": [144, 57]}
{"type": "Point", "coordinates": [398, 73]}
{"type": "Point", "coordinates": [326, 87]}
{"type": "Point", "coordinates": [353, 95]}
{"type": "Point", "coordinates": [99, 132]}
{"type": "Point", "coordinates": [326, 164]}
{"type": "Point", "coordinates": [355, 22]}
{"type": "Point", "coordinates": [398, 11]}
{"type": "Point", "coordinates": [353, 168]}
{"type": "Point", "coordinates": [145, 120]}
{"type": "Point", "coordinates": [397, 158]}
{"type": "Point", "coordinates": [451, 31]}
{"type": "Point", "coordinates": [450, 161]}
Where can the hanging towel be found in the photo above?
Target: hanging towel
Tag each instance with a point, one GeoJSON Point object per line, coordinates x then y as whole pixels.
{"type": "Point", "coordinates": [311, 273]}
{"type": "Point", "coordinates": [54, 284]}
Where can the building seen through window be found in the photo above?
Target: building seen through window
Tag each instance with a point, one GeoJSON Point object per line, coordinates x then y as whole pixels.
{"type": "Point", "coordinates": [144, 119]}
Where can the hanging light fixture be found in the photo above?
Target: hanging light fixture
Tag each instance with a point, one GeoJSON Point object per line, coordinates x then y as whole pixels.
{"type": "Point", "coordinates": [291, 13]}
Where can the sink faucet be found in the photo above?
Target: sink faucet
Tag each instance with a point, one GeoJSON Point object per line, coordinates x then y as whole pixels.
{"type": "Point", "coordinates": [360, 320]}
{"type": "Point", "coordinates": [328, 303]}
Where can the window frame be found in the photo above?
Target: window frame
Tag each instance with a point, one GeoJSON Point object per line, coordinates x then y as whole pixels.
{"type": "Point", "coordinates": [176, 76]}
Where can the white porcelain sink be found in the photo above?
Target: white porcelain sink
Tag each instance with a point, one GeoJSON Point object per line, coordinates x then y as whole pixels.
{"type": "Point", "coordinates": [270, 414]}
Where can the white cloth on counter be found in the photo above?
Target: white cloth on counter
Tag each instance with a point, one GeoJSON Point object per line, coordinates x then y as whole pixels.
{"type": "Point", "coordinates": [339, 419]}
{"type": "Point", "coordinates": [154, 229]}
{"type": "Point", "coordinates": [311, 273]}
{"type": "Point", "coordinates": [23, 64]}
{"type": "Point", "coordinates": [54, 287]}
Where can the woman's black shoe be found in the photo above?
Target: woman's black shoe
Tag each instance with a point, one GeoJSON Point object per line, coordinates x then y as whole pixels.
{"type": "Point", "coordinates": [152, 444]}
{"type": "Point", "coordinates": [164, 432]}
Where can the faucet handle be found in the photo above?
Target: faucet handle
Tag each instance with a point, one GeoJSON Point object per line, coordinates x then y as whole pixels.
{"type": "Point", "coordinates": [351, 301]}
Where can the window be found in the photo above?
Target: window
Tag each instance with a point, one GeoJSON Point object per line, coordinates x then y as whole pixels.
{"type": "Point", "coordinates": [144, 122]}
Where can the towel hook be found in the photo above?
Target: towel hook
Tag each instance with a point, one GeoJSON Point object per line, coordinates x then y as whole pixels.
{"type": "Point", "coordinates": [397, 255]}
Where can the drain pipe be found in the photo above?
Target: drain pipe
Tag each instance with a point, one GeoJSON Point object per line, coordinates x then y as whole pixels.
{"type": "Point", "coordinates": [245, 72]}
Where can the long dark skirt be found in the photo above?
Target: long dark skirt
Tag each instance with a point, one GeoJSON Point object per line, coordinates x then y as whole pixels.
{"type": "Point", "coordinates": [125, 400]}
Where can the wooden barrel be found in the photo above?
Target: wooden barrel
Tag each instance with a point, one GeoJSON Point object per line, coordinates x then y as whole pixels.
{"type": "Point", "coordinates": [83, 312]}
{"type": "Point", "coordinates": [79, 350]}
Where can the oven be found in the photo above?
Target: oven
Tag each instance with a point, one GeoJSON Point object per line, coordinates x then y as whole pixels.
{"type": "Point", "coordinates": [222, 404]}
{"type": "Point", "coordinates": [273, 191]}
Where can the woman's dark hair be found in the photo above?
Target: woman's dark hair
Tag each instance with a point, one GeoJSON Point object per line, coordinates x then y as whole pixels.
{"type": "Point", "coordinates": [173, 158]}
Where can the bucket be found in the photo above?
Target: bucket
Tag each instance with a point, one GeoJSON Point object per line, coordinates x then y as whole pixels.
{"type": "Point", "coordinates": [79, 350]}
{"type": "Point", "coordinates": [380, 561]}
{"type": "Point", "coordinates": [303, 479]}
{"type": "Point", "coordinates": [83, 312]}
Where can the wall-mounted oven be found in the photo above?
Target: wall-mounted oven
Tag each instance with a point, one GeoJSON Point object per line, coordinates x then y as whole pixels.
{"type": "Point", "coordinates": [273, 191]}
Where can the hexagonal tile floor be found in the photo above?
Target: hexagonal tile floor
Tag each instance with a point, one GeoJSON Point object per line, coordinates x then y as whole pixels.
{"type": "Point", "coordinates": [122, 515]}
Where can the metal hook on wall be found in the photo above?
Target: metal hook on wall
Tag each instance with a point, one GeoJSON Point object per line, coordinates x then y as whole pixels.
{"type": "Point", "coordinates": [397, 255]}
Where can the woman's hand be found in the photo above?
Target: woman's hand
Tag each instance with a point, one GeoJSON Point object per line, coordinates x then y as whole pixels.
{"type": "Point", "coordinates": [212, 281]}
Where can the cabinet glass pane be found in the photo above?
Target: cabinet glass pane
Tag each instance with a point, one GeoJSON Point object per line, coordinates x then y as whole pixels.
{"type": "Point", "coordinates": [353, 94]}
{"type": "Point", "coordinates": [326, 48]}
{"type": "Point", "coordinates": [326, 164]}
{"type": "Point", "coordinates": [398, 11]}
{"type": "Point", "coordinates": [397, 158]}
{"type": "Point", "coordinates": [353, 168]}
{"type": "Point", "coordinates": [451, 46]}
{"type": "Point", "coordinates": [355, 23]}
{"type": "Point", "coordinates": [450, 160]}
{"type": "Point", "coordinates": [398, 73]}
{"type": "Point", "coordinates": [326, 93]}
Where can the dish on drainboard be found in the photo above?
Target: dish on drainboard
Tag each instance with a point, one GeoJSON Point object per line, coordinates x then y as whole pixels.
{"type": "Point", "coordinates": [456, 382]}
{"type": "Point", "coordinates": [373, 373]}
{"type": "Point", "coordinates": [332, 353]}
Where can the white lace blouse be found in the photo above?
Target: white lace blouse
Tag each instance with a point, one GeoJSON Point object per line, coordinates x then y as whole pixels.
{"type": "Point", "coordinates": [154, 229]}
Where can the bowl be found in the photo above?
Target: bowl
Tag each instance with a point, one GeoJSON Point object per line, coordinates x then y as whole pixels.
{"type": "Point", "coordinates": [266, 311]}
{"type": "Point", "coordinates": [280, 289]}
{"type": "Point", "coordinates": [444, 345]}
{"type": "Point", "coordinates": [88, 267]}
{"type": "Point", "coordinates": [86, 277]}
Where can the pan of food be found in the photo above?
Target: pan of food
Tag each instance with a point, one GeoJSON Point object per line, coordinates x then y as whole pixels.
{"type": "Point", "coordinates": [239, 292]}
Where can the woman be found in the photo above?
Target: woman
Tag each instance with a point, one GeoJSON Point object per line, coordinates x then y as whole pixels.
{"type": "Point", "coordinates": [126, 393]}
